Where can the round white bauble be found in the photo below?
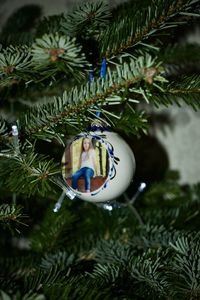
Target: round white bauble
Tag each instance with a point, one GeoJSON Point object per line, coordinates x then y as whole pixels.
{"type": "Point", "coordinates": [98, 166]}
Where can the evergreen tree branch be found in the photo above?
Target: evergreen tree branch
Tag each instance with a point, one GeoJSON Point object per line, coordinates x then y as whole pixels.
{"type": "Point", "coordinates": [84, 251]}
{"type": "Point", "coordinates": [15, 65]}
{"type": "Point", "coordinates": [186, 90]}
{"type": "Point", "coordinates": [41, 121]}
{"type": "Point", "coordinates": [48, 55]}
{"type": "Point", "coordinates": [128, 31]}
{"type": "Point", "coordinates": [11, 216]}
{"type": "Point", "coordinates": [53, 52]}
{"type": "Point", "coordinates": [185, 267]}
{"type": "Point", "coordinates": [53, 231]}
{"type": "Point", "coordinates": [28, 173]}
{"type": "Point", "coordinates": [3, 130]}
{"type": "Point", "coordinates": [87, 19]}
{"type": "Point", "coordinates": [149, 269]}
{"type": "Point", "coordinates": [179, 55]}
{"type": "Point", "coordinates": [91, 96]}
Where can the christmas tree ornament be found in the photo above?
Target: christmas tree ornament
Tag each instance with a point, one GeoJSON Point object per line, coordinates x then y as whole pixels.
{"type": "Point", "coordinates": [98, 165]}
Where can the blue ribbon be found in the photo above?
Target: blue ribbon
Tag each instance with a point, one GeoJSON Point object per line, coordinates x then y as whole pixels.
{"type": "Point", "coordinates": [103, 68]}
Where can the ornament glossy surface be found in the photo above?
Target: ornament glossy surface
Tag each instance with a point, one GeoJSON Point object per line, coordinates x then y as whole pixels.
{"type": "Point", "coordinates": [98, 166]}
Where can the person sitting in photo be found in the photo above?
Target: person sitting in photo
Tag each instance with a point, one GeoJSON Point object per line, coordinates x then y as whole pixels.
{"type": "Point", "coordinates": [87, 165]}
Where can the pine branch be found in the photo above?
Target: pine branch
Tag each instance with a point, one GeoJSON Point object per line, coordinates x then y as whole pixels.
{"type": "Point", "coordinates": [156, 237]}
{"type": "Point", "coordinates": [92, 95]}
{"type": "Point", "coordinates": [47, 56]}
{"type": "Point", "coordinates": [28, 173]}
{"type": "Point", "coordinates": [149, 269]}
{"type": "Point", "coordinates": [186, 90]}
{"type": "Point", "coordinates": [185, 268]}
{"type": "Point", "coordinates": [21, 296]}
{"type": "Point", "coordinates": [83, 251]}
{"type": "Point", "coordinates": [107, 273]}
{"type": "Point", "coordinates": [60, 259]}
{"type": "Point", "coordinates": [82, 101]}
{"type": "Point", "coordinates": [3, 132]}
{"type": "Point", "coordinates": [53, 53]}
{"type": "Point", "coordinates": [179, 55]}
{"type": "Point", "coordinates": [87, 19]}
{"type": "Point", "coordinates": [53, 231]}
{"type": "Point", "coordinates": [128, 31]}
{"type": "Point", "coordinates": [14, 269]}
{"type": "Point", "coordinates": [15, 65]}
{"type": "Point", "coordinates": [11, 216]}
{"type": "Point", "coordinates": [114, 252]}
{"type": "Point", "coordinates": [178, 206]}
{"type": "Point", "coordinates": [130, 121]}
{"type": "Point", "coordinates": [78, 287]}
{"type": "Point", "coordinates": [39, 279]}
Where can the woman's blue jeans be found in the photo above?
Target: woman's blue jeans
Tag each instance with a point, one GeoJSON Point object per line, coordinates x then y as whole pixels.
{"type": "Point", "coordinates": [87, 173]}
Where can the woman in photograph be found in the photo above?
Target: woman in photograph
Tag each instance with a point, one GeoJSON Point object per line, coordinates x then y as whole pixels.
{"type": "Point", "coordinates": [87, 165]}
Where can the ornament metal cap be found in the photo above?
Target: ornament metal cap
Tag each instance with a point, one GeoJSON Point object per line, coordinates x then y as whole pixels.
{"type": "Point", "coordinates": [99, 125]}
